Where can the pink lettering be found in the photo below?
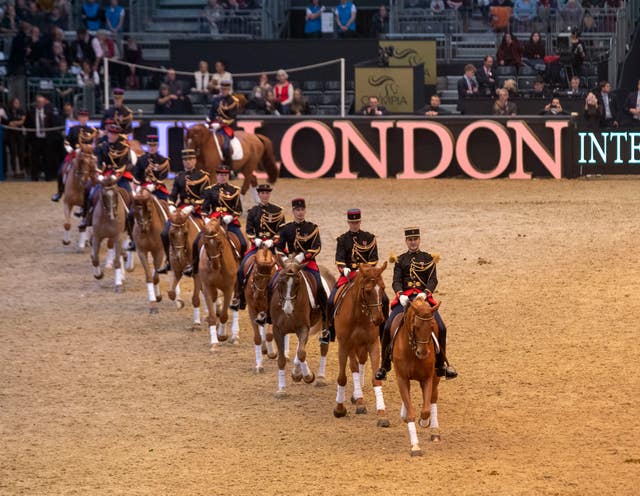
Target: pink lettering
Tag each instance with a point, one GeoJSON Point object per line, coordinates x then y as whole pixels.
{"type": "Point", "coordinates": [504, 144]}
{"type": "Point", "coordinates": [352, 135]}
{"type": "Point", "coordinates": [446, 142]}
{"type": "Point", "coordinates": [328, 142]}
{"type": "Point", "coordinates": [524, 134]}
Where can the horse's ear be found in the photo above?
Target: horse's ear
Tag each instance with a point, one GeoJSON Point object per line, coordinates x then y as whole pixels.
{"type": "Point", "coordinates": [384, 266]}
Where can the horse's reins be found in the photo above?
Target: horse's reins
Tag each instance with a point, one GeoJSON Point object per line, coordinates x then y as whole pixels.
{"type": "Point", "coordinates": [289, 298]}
{"type": "Point", "coordinates": [262, 276]}
{"type": "Point", "coordinates": [175, 247]}
{"type": "Point", "coordinates": [211, 237]}
{"type": "Point", "coordinates": [366, 307]}
{"type": "Point", "coordinates": [413, 342]}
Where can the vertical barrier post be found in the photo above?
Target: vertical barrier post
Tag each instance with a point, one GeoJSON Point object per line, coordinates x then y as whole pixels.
{"type": "Point", "coordinates": [342, 88]}
{"type": "Point", "coordinates": [105, 61]}
{"type": "Point", "coordinates": [2, 178]}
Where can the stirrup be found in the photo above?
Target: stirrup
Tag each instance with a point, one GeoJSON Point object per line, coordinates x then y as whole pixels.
{"type": "Point", "coordinates": [325, 336]}
{"type": "Point", "coordinates": [56, 197]}
{"type": "Point", "coordinates": [188, 271]}
{"type": "Point", "coordinates": [381, 374]}
{"type": "Point", "coordinates": [235, 304]}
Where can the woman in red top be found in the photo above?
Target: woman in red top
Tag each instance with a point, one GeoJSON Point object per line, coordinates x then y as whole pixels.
{"type": "Point", "coordinates": [284, 91]}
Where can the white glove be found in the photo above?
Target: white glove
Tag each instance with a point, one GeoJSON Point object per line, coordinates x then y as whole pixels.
{"type": "Point", "coordinates": [172, 209]}
{"type": "Point", "coordinates": [257, 242]}
{"type": "Point", "coordinates": [268, 243]}
{"type": "Point", "coordinates": [100, 177]}
{"type": "Point", "coordinates": [151, 188]}
{"type": "Point", "coordinates": [404, 299]}
{"type": "Point", "coordinates": [346, 271]}
{"type": "Point", "coordinates": [422, 296]}
{"type": "Point", "coordinates": [68, 148]}
{"type": "Point", "coordinates": [227, 218]}
{"type": "Point", "coordinates": [187, 210]}
{"type": "Point", "coordinates": [299, 257]}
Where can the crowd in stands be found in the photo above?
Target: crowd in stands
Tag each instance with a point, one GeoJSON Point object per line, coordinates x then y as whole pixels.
{"type": "Point", "coordinates": [213, 19]}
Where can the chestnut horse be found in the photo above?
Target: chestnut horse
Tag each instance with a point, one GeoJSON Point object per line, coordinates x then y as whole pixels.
{"type": "Point", "coordinates": [257, 149]}
{"type": "Point", "coordinates": [182, 234]}
{"type": "Point", "coordinates": [261, 268]}
{"type": "Point", "coordinates": [292, 313]}
{"type": "Point", "coordinates": [357, 320]}
{"type": "Point", "coordinates": [218, 271]}
{"type": "Point", "coordinates": [150, 216]}
{"type": "Point", "coordinates": [414, 351]}
{"type": "Point", "coordinates": [108, 221]}
{"type": "Point", "coordinates": [77, 173]}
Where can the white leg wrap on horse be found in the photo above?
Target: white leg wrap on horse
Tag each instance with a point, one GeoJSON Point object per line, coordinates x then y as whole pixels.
{"type": "Point", "coordinates": [214, 334]}
{"type": "Point", "coordinates": [204, 299]}
{"type": "Point", "coordinates": [340, 395]}
{"type": "Point", "coordinates": [296, 360]}
{"type": "Point", "coordinates": [258, 355]}
{"type": "Point", "coordinates": [131, 261]}
{"type": "Point", "coordinates": [96, 271]}
{"type": "Point", "coordinates": [323, 366]}
{"type": "Point", "coordinates": [151, 292]}
{"type": "Point", "coordinates": [66, 236]}
{"type": "Point", "coordinates": [178, 292]}
{"type": "Point", "coordinates": [413, 434]}
{"type": "Point", "coordinates": [196, 315]}
{"type": "Point", "coordinates": [270, 347]}
{"type": "Point", "coordinates": [82, 242]}
{"type": "Point", "coordinates": [377, 390]}
{"type": "Point", "coordinates": [235, 325]}
{"type": "Point", "coordinates": [156, 290]}
{"type": "Point", "coordinates": [305, 368]}
{"type": "Point", "coordinates": [263, 334]}
{"type": "Point", "coordinates": [361, 369]}
{"type": "Point", "coordinates": [286, 345]}
{"type": "Point", "coordinates": [282, 380]}
{"type": "Point", "coordinates": [357, 388]}
{"type": "Point", "coordinates": [403, 411]}
{"type": "Point", "coordinates": [111, 256]}
{"type": "Point", "coordinates": [118, 277]}
{"type": "Point", "coordinates": [434, 415]}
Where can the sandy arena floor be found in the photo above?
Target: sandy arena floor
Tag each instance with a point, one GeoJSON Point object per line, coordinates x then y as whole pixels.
{"type": "Point", "coordinates": [539, 288]}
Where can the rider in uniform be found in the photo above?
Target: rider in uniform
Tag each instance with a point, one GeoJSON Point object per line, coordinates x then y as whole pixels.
{"type": "Point", "coordinates": [113, 157]}
{"type": "Point", "coordinates": [81, 133]}
{"type": "Point", "coordinates": [188, 189]}
{"type": "Point", "coordinates": [414, 273]}
{"type": "Point", "coordinates": [224, 110]}
{"type": "Point", "coordinates": [264, 220]}
{"type": "Point", "coordinates": [302, 238]}
{"type": "Point", "coordinates": [120, 113]}
{"type": "Point", "coordinates": [222, 201]}
{"type": "Point", "coordinates": [353, 248]}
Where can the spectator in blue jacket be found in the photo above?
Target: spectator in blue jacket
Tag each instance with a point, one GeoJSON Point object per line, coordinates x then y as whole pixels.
{"type": "Point", "coordinates": [92, 15]}
{"type": "Point", "coordinates": [346, 19]}
{"type": "Point", "coordinates": [313, 21]}
{"type": "Point", "coordinates": [115, 17]}
{"type": "Point", "coordinates": [525, 10]}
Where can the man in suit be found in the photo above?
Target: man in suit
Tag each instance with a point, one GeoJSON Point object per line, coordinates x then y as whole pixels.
{"type": "Point", "coordinates": [373, 108]}
{"type": "Point", "coordinates": [632, 107]}
{"type": "Point", "coordinates": [467, 86]}
{"type": "Point", "coordinates": [575, 91]}
{"type": "Point", "coordinates": [608, 106]}
{"type": "Point", "coordinates": [433, 108]}
{"type": "Point", "coordinates": [485, 77]}
{"type": "Point", "coordinates": [41, 142]}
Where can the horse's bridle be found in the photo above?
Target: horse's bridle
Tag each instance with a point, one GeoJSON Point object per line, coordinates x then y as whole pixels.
{"type": "Point", "coordinates": [144, 218]}
{"type": "Point", "coordinates": [366, 307]}
{"type": "Point", "coordinates": [209, 238]}
{"type": "Point", "coordinates": [293, 298]}
{"type": "Point", "coordinates": [413, 342]}
{"type": "Point", "coordinates": [179, 248]}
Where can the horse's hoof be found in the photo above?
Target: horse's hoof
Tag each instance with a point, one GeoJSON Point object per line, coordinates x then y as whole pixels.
{"type": "Point", "coordinates": [416, 451]}
{"type": "Point", "coordinates": [223, 337]}
{"type": "Point", "coordinates": [153, 310]}
{"type": "Point", "coordinates": [263, 348]}
{"type": "Point", "coordinates": [259, 370]}
{"type": "Point", "coordinates": [353, 400]}
{"type": "Point", "coordinates": [158, 298]}
{"type": "Point", "coordinates": [179, 304]}
{"type": "Point", "coordinates": [66, 243]}
{"type": "Point", "coordinates": [435, 438]}
{"type": "Point", "coordinates": [108, 266]}
{"type": "Point", "coordinates": [196, 326]}
{"type": "Point", "coordinates": [383, 422]}
{"type": "Point", "coordinates": [273, 355]}
{"type": "Point", "coordinates": [119, 288]}
{"type": "Point", "coordinates": [296, 377]}
{"type": "Point", "coordinates": [424, 423]}
{"type": "Point", "coordinates": [234, 340]}
{"type": "Point", "coordinates": [361, 410]}
{"type": "Point", "coordinates": [310, 378]}
{"type": "Point", "coordinates": [214, 348]}
{"type": "Point", "coordinates": [99, 276]}
{"type": "Point", "coordinates": [339, 412]}
{"type": "Point", "coordinates": [282, 394]}
{"type": "Point", "coordinates": [321, 382]}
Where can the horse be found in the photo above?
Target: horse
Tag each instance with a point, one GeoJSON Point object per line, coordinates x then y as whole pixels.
{"type": "Point", "coordinates": [108, 221]}
{"type": "Point", "coordinates": [182, 234]}
{"type": "Point", "coordinates": [259, 270]}
{"type": "Point", "coordinates": [77, 173]}
{"type": "Point", "coordinates": [257, 149]}
{"type": "Point", "coordinates": [357, 320]}
{"type": "Point", "coordinates": [293, 313]}
{"type": "Point", "coordinates": [218, 271]}
{"type": "Point", "coordinates": [150, 216]}
{"type": "Point", "coordinates": [414, 352]}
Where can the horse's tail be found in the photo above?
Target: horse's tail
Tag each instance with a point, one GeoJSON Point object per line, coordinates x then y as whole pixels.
{"type": "Point", "coordinates": [268, 159]}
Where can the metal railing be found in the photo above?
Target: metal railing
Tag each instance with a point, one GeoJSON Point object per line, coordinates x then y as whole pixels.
{"type": "Point", "coordinates": [63, 90]}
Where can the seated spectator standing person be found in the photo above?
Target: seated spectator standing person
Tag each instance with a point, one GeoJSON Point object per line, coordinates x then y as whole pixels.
{"type": "Point", "coordinates": [114, 16]}
{"type": "Point", "coordinates": [437, 6]}
{"type": "Point", "coordinates": [81, 48]}
{"type": "Point", "coordinates": [485, 77]}
{"type": "Point", "coordinates": [284, 91]}
{"type": "Point", "coordinates": [172, 82]}
{"type": "Point", "coordinates": [608, 106]}
{"type": "Point", "coordinates": [299, 105]}
{"type": "Point", "coordinates": [553, 108]}
{"type": "Point", "coordinates": [512, 87]}
{"type": "Point", "coordinates": [313, 21]}
{"type": "Point", "coordinates": [212, 14]}
{"type": "Point", "coordinates": [540, 90]}
{"type": "Point", "coordinates": [509, 51]}
{"type": "Point", "coordinates": [467, 86]}
{"type": "Point", "coordinates": [373, 108]}
{"type": "Point", "coordinates": [257, 103]}
{"type": "Point", "coordinates": [575, 91]}
{"type": "Point", "coordinates": [578, 53]}
{"type": "Point", "coordinates": [534, 52]}
{"type": "Point", "coordinates": [164, 102]}
{"type": "Point", "coordinates": [223, 113]}
{"type": "Point", "coordinates": [591, 116]}
{"type": "Point", "coordinates": [501, 15]}
{"type": "Point", "coordinates": [346, 19]}
{"type": "Point", "coordinates": [380, 22]}
{"type": "Point", "coordinates": [92, 15]}
{"type": "Point", "coordinates": [503, 106]}
{"type": "Point", "coordinates": [271, 104]}
{"type": "Point", "coordinates": [632, 106]}
{"type": "Point", "coordinates": [263, 83]}
{"type": "Point", "coordinates": [222, 74]}
{"type": "Point", "coordinates": [433, 108]}
{"type": "Point", "coordinates": [201, 78]}
{"type": "Point", "coordinates": [524, 11]}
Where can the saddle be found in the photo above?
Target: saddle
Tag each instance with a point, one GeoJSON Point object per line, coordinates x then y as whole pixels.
{"type": "Point", "coordinates": [339, 296]}
{"type": "Point", "coordinates": [235, 244]}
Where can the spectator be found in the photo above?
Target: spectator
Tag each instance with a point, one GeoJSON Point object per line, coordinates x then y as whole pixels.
{"type": "Point", "coordinates": [574, 90]}
{"type": "Point", "coordinates": [201, 78]}
{"type": "Point", "coordinates": [9, 22]}
{"type": "Point", "coordinates": [131, 81]}
{"type": "Point", "coordinates": [608, 106]}
{"type": "Point", "coordinates": [534, 52]}
{"type": "Point", "coordinates": [501, 15]}
{"type": "Point", "coordinates": [540, 90]}
{"type": "Point", "coordinates": [88, 76]}
{"type": "Point", "coordinates": [299, 104]}
{"type": "Point", "coordinates": [35, 16]}
{"type": "Point", "coordinates": [22, 11]}
{"type": "Point", "coordinates": [55, 19]}
{"type": "Point", "coordinates": [212, 14]}
{"type": "Point", "coordinates": [171, 80]}
{"type": "Point", "coordinates": [257, 102]}
{"type": "Point", "coordinates": [82, 48]}
{"type": "Point", "coordinates": [524, 11]}
{"type": "Point", "coordinates": [345, 14]}
{"type": "Point", "coordinates": [485, 77]}
{"type": "Point", "coordinates": [509, 51]}
{"type": "Point", "coordinates": [380, 22]}
{"type": "Point", "coordinates": [165, 100]}
{"type": "Point", "coordinates": [272, 105]}
{"type": "Point", "coordinates": [92, 15]}
{"type": "Point", "coordinates": [107, 45]}
{"type": "Point", "coordinates": [503, 106]}
{"type": "Point", "coordinates": [467, 86]}
{"type": "Point", "coordinates": [38, 52]}
{"type": "Point", "coordinates": [263, 83]}
{"type": "Point", "coordinates": [485, 6]}
{"type": "Point", "coordinates": [313, 21]}
{"type": "Point", "coordinates": [578, 53]}
{"type": "Point", "coordinates": [221, 74]}
{"type": "Point", "coordinates": [68, 112]}
{"type": "Point", "coordinates": [591, 116]}
{"type": "Point", "coordinates": [632, 106]}
{"type": "Point", "coordinates": [589, 23]}
{"type": "Point", "coordinates": [373, 108]}
{"type": "Point", "coordinates": [67, 81]}
{"type": "Point", "coordinates": [65, 13]}
{"type": "Point", "coordinates": [14, 140]}
{"type": "Point", "coordinates": [553, 108]}
{"type": "Point", "coordinates": [433, 109]}
{"type": "Point", "coordinates": [132, 55]}
{"type": "Point", "coordinates": [114, 16]}
{"type": "Point", "coordinates": [437, 6]}
{"type": "Point", "coordinates": [283, 91]}
{"type": "Point", "coordinates": [41, 117]}
{"type": "Point", "coordinates": [18, 53]}
{"type": "Point", "coordinates": [511, 86]}
{"type": "Point", "coordinates": [571, 14]}
{"type": "Point", "coordinates": [545, 8]}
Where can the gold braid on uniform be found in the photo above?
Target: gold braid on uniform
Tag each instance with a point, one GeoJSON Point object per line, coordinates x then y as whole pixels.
{"type": "Point", "coordinates": [301, 239]}
{"type": "Point", "coordinates": [359, 251]}
{"type": "Point", "coordinates": [115, 154]}
{"type": "Point", "coordinates": [123, 117]}
{"type": "Point", "coordinates": [223, 108]}
{"type": "Point", "coordinates": [225, 200]}
{"type": "Point", "coordinates": [152, 168]}
{"type": "Point", "coordinates": [196, 182]}
{"type": "Point", "coordinates": [418, 268]}
{"type": "Point", "coordinates": [266, 221]}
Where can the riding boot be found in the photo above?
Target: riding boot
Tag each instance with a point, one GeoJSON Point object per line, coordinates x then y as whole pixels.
{"type": "Point", "coordinates": [386, 353]}
{"type": "Point", "coordinates": [192, 268]}
{"type": "Point", "coordinates": [60, 191]}
{"type": "Point", "coordinates": [129, 226]}
{"type": "Point", "coordinates": [443, 369]}
{"type": "Point", "coordinates": [165, 244]}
